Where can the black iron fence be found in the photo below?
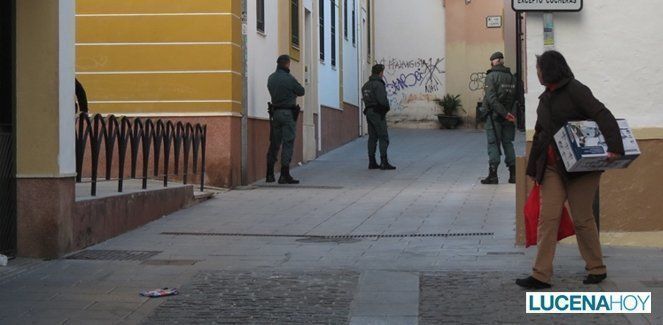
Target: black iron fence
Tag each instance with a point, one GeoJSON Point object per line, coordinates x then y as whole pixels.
{"type": "Point", "coordinates": [165, 145]}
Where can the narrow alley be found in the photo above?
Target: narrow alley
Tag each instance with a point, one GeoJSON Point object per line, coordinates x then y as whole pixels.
{"type": "Point", "coordinates": [426, 244]}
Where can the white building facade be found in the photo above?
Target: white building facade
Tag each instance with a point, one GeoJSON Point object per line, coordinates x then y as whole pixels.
{"type": "Point", "coordinates": [614, 48]}
{"type": "Point", "coordinates": [339, 71]}
{"type": "Point", "coordinates": [330, 58]}
{"type": "Point", "coordinates": [410, 42]}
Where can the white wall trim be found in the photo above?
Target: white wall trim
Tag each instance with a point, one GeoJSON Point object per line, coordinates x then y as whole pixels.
{"type": "Point", "coordinates": [66, 71]}
{"type": "Point", "coordinates": [259, 118]}
{"type": "Point", "coordinates": [331, 107]}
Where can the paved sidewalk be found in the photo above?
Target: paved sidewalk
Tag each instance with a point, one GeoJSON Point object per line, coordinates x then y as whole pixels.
{"type": "Point", "coordinates": [424, 244]}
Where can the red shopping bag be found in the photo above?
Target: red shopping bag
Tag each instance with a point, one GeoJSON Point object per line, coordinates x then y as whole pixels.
{"type": "Point", "coordinates": [532, 211]}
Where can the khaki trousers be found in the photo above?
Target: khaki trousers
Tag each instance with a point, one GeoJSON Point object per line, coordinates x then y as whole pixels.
{"type": "Point", "coordinates": [580, 194]}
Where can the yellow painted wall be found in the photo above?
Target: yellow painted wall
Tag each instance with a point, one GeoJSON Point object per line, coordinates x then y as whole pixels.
{"type": "Point", "coordinates": [37, 90]}
{"type": "Point", "coordinates": [160, 56]}
{"type": "Point", "coordinates": [469, 46]}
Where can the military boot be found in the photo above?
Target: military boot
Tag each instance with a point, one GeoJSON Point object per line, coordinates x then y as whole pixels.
{"type": "Point", "coordinates": [285, 177]}
{"type": "Point", "coordinates": [385, 165]}
{"type": "Point", "coordinates": [492, 176]}
{"type": "Point", "coordinates": [270, 174]}
{"type": "Point", "coordinates": [372, 163]}
{"type": "Point", "coordinates": [512, 174]}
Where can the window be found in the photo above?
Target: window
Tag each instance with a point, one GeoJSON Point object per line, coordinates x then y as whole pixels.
{"type": "Point", "coordinates": [322, 29]}
{"type": "Point", "coordinates": [260, 14]}
{"type": "Point", "coordinates": [294, 23]}
{"type": "Point", "coordinates": [354, 23]}
{"type": "Point", "coordinates": [345, 19]}
{"type": "Point", "coordinates": [332, 16]}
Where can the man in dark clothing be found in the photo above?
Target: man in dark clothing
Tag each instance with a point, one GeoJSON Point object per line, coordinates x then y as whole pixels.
{"type": "Point", "coordinates": [500, 87]}
{"type": "Point", "coordinates": [374, 94]}
{"type": "Point", "coordinates": [283, 112]}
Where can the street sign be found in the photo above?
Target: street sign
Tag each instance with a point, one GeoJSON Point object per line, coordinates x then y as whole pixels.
{"type": "Point", "coordinates": [494, 21]}
{"type": "Point", "coordinates": [546, 5]}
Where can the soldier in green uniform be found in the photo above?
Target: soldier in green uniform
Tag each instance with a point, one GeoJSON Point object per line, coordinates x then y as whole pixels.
{"type": "Point", "coordinates": [500, 87]}
{"type": "Point", "coordinates": [283, 112]}
{"type": "Point", "coordinates": [374, 94]}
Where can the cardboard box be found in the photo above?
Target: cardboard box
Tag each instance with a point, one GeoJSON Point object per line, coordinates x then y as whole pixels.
{"type": "Point", "coordinates": [583, 147]}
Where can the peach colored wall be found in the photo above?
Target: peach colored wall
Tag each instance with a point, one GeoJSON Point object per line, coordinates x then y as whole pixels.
{"type": "Point", "coordinates": [94, 221]}
{"type": "Point", "coordinates": [470, 44]}
{"type": "Point", "coordinates": [44, 225]}
{"type": "Point", "coordinates": [222, 154]}
{"type": "Point", "coordinates": [259, 143]}
{"type": "Point", "coordinates": [629, 197]}
{"type": "Point", "coordinates": [339, 126]}
{"type": "Point", "coordinates": [223, 167]}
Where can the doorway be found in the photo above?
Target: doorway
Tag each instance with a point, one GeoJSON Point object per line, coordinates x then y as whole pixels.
{"type": "Point", "coordinates": [309, 102]}
{"type": "Point", "coordinates": [7, 161]}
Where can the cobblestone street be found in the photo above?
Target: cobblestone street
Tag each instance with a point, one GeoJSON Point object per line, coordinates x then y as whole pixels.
{"type": "Point", "coordinates": [425, 244]}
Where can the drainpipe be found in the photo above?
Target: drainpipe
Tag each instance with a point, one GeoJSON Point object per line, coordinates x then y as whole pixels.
{"type": "Point", "coordinates": [360, 62]}
{"type": "Point", "coordinates": [245, 100]}
{"type": "Point", "coordinates": [519, 70]}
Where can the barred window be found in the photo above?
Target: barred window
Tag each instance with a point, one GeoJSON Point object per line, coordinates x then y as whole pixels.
{"type": "Point", "coordinates": [354, 22]}
{"type": "Point", "coordinates": [260, 14]}
{"type": "Point", "coordinates": [345, 19]}
{"type": "Point", "coordinates": [333, 32]}
{"type": "Point", "coordinates": [322, 29]}
{"type": "Point", "coordinates": [294, 22]}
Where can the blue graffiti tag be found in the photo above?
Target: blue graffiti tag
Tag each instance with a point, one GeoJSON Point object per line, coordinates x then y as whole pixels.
{"type": "Point", "coordinates": [404, 81]}
{"type": "Point", "coordinates": [427, 75]}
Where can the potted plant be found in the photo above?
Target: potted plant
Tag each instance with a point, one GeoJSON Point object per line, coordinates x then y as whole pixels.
{"type": "Point", "coordinates": [450, 106]}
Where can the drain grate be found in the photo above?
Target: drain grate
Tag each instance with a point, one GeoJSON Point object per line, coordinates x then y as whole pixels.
{"type": "Point", "coordinates": [330, 237]}
{"type": "Point", "coordinates": [112, 255]}
{"type": "Point", "coordinates": [322, 240]}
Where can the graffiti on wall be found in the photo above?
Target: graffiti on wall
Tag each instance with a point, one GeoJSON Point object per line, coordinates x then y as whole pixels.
{"type": "Point", "coordinates": [477, 81]}
{"type": "Point", "coordinates": [407, 77]}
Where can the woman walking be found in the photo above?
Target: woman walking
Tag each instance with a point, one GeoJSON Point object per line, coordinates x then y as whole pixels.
{"type": "Point", "coordinates": [566, 99]}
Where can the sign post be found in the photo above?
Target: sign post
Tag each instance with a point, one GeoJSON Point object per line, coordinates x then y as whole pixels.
{"type": "Point", "coordinates": [546, 5]}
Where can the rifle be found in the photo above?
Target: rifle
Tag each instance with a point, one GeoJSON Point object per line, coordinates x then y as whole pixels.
{"type": "Point", "coordinates": [491, 116]}
{"type": "Point", "coordinates": [295, 112]}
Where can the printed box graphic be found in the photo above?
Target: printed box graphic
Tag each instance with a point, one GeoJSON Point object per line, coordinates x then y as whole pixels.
{"type": "Point", "coordinates": [582, 147]}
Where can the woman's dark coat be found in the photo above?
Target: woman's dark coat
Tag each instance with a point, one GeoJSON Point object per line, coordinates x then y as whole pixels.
{"type": "Point", "coordinates": [569, 101]}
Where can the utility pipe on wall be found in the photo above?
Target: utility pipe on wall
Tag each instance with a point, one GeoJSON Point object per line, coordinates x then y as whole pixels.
{"type": "Point", "coordinates": [245, 100]}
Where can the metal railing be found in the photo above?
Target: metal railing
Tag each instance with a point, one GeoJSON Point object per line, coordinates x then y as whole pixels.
{"type": "Point", "coordinates": [139, 135]}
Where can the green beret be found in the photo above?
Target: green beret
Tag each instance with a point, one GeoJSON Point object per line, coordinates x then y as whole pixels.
{"type": "Point", "coordinates": [496, 55]}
